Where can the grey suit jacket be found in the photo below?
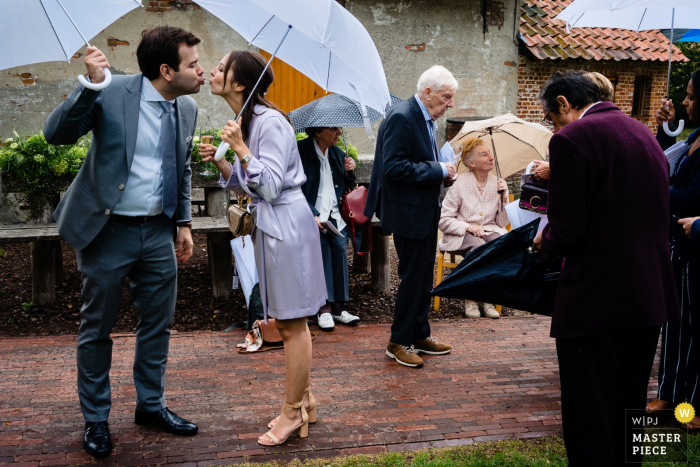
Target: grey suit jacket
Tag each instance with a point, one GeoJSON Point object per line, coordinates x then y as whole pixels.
{"type": "Point", "coordinates": [112, 115]}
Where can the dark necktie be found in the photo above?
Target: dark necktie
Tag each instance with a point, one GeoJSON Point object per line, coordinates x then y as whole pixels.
{"type": "Point", "coordinates": [167, 152]}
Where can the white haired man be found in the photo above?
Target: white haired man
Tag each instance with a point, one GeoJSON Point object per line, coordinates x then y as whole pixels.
{"type": "Point", "coordinates": [407, 181]}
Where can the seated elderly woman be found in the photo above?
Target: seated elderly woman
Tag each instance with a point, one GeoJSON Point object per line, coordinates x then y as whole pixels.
{"type": "Point", "coordinates": [328, 174]}
{"type": "Point", "coordinates": [473, 211]}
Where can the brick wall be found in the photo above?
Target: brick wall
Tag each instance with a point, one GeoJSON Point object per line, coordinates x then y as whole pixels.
{"type": "Point", "coordinates": [533, 73]}
{"type": "Point", "coordinates": [494, 13]}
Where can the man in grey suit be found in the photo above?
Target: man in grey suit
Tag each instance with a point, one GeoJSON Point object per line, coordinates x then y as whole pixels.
{"type": "Point", "coordinates": [128, 214]}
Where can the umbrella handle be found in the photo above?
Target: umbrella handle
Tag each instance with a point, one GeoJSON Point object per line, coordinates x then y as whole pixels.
{"type": "Point", "coordinates": [221, 151]}
{"type": "Point", "coordinates": [673, 134]}
{"type": "Point", "coordinates": [97, 86]}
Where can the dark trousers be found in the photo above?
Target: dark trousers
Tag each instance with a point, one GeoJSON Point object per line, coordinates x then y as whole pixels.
{"type": "Point", "coordinates": [146, 254]}
{"type": "Point", "coordinates": [601, 376]}
{"type": "Point", "coordinates": [334, 251]}
{"type": "Point", "coordinates": [679, 368]}
{"type": "Point", "coordinates": [416, 266]}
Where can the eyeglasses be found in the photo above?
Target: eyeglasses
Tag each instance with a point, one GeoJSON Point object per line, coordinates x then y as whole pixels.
{"type": "Point", "coordinates": [546, 119]}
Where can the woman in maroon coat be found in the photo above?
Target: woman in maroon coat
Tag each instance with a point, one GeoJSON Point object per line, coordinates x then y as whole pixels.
{"type": "Point", "coordinates": [608, 217]}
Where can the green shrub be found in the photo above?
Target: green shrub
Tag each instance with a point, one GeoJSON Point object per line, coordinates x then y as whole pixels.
{"type": "Point", "coordinates": [352, 150]}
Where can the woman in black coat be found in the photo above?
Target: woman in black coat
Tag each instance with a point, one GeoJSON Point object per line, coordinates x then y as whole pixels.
{"type": "Point", "coordinates": [328, 174]}
{"type": "Point", "coordinates": [679, 369]}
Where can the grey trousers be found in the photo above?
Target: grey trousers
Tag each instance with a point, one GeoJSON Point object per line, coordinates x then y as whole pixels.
{"type": "Point", "coordinates": [334, 251]}
{"type": "Point", "coordinates": [145, 254]}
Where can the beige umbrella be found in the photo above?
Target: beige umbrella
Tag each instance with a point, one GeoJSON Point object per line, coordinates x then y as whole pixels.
{"type": "Point", "coordinates": [514, 142]}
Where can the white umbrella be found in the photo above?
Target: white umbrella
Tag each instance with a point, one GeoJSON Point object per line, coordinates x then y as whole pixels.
{"type": "Point", "coordinates": [319, 38]}
{"type": "Point", "coordinates": [514, 141]}
{"type": "Point", "coordinates": [35, 31]}
{"type": "Point", "coordinates": [637, 15]}
{"type": "Point", "coordinates": [244, 255]}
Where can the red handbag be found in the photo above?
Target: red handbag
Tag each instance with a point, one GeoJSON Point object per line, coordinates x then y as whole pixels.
{"type": "Point", "coordinates": [352, 206]}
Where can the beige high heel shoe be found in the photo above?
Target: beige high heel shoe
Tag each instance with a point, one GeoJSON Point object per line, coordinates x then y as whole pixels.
{"type": "Point", "coordinates": [311, 411]}
{"type": "Point", "coordinates": [302, 430]}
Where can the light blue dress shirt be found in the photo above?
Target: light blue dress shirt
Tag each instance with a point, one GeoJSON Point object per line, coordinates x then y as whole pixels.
{"type": "Point", "coordinates": [143, 193]}
{"type": "Point", "coordinates": [428, 118]}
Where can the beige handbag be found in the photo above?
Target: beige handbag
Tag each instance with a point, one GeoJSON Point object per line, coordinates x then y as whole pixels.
{"type": "Point", "coordinates": [240, 221]}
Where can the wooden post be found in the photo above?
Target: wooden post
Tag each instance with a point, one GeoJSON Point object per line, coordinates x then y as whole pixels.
{"type": "Point", "coordinates": [45, 260]}
{"type": "Point", "coordinates": [381, 271]}
{"type": "Point", "coordinates": [58, 263]}
{"type": "Point", "coordinates": [218, 247]}
{"type": "Point", "coordinates": [43, 273]}
{"type": "Point", "coordinates": [361, 264]}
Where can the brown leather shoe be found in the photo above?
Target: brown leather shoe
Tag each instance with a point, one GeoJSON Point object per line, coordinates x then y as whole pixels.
{"type": "Point", "coordinates": [404, 355]}
{"type": "Point", "coordinates": [694, 424]}
{"type": "Point", "coordinates": [657, 406]}
{"type": "Point", "coordinates": [431, 347]}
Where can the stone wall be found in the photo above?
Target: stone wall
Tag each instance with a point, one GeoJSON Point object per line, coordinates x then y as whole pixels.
{"type": "Point", "coordinates": [411, 36]}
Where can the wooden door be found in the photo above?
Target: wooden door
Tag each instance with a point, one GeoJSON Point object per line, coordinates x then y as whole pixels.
{"type": "Point", "coordinates": [291, 89]}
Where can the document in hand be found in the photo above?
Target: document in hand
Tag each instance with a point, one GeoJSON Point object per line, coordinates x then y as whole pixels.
{"type": "Point", "coordinates": [674, 153]}
{"type": "Point", "coordinates": [330, 228]}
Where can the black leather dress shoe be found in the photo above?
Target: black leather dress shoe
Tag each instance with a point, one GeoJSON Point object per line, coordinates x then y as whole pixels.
{"type": "Point", "coordinates": [166, 421]}
{"type": "Point", "coordinates": [96, 440]}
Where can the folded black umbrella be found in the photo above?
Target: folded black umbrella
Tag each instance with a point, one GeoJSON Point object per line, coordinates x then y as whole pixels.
{"type": "Point", "coordinates": [506, 272]}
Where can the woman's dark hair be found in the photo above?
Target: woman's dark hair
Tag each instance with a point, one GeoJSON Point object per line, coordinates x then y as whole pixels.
{"type": "Point", "coordinates": [578, 90]}
{"type": "Point", "coordinates": [246, 67]}
{"type": "Point", "coordinates": [695, 79]}
{"type": "Point", "coordinates": [159, 45]}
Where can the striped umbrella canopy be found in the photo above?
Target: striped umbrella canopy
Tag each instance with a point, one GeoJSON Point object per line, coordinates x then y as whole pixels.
{"type": "Point", "coordinates": [691, 36]}
{"type": "Point", "coordinates": [333, 110]}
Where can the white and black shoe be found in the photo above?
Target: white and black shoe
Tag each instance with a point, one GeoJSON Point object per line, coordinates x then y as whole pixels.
{"type": "Point", "coordinates": [346, 318]}
{"type": "Point", "coordinates": [325, 322]}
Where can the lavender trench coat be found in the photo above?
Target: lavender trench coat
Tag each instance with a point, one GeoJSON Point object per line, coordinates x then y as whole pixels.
{"type": "Point", "coordinates": [286, 236]}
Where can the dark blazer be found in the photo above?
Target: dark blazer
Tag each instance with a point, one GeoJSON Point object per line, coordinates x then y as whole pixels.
{"type": "Point", "coordinates": [685, 193]}
{"type": "Point", "coordinates": [113, 117]}
{"type": "Point", "coordinates": [405, 184]}
{"type": "Point", "coordinates": [608, 216]}
{"type": "Point", "coordinates": [312, 169]}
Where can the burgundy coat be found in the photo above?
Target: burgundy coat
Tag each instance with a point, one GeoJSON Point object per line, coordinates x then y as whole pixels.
{"type": "Point", "coordinates": [608, 216]}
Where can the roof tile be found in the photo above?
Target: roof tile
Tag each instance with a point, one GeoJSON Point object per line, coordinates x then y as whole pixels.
{"type": "Point", "coordinates": [547, 38]}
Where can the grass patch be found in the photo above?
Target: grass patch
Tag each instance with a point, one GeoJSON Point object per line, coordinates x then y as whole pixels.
{"type": "Point", "coordinates": [685, 134]}
{"type": "Point", "coordinates": [537, 452]}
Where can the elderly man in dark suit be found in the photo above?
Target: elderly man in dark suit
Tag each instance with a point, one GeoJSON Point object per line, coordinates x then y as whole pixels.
{"type": "Point", "coordinates": [407, 181]}
{"type": "Point", "coordinates": [608, 217]}
{"type": "Point", "coordinates": [128, 214]}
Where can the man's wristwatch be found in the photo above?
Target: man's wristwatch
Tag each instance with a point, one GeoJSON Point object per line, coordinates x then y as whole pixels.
{"type": "Point", "coordinates": [246, 159]}
{"type": "Point", "coordinates": [187, 224]}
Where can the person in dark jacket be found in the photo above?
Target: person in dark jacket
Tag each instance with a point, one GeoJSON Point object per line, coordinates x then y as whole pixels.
{"type": "Point", "coordinates": [328, 174]}
{"type": "Point", "coordinates": [608, 214]}
{"type": "Point", "coordinates": [679, 369]}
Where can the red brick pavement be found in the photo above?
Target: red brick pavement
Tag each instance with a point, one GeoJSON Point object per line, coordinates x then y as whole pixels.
{"type": "Point", "coordinates": [499, 382]}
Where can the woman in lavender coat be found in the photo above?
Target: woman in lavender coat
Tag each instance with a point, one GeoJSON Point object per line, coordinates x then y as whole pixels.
{"type": "Point", "coordinates": [286, 238]}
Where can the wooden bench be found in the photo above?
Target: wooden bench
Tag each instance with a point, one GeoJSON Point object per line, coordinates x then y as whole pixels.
{"type": "Point", "coordinates": [47, 261]}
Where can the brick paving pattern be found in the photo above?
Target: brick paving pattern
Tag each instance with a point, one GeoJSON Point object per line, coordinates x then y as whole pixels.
{"type": "Point", "coordinates": [501, 381]}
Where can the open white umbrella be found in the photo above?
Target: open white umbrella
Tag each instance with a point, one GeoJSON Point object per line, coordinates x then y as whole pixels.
{"type": "Point", "coordinates": [319, 38]}
{"type": "Point", "coordinates": [35, 31]}
{"type": "Point", "coordinates": [637, 15]}
{"type": "Point", "coordinates": [515, 142]}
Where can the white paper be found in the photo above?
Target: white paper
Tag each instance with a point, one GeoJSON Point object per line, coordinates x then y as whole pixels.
{"type": "Point", "coordinates": [329, 227]}
{"type": "Point", "coordinates": [674, 153]}
{"type": "Point", "coordinates": [447, 154]}
{"type": "Point", "coordinates": [519, 217]}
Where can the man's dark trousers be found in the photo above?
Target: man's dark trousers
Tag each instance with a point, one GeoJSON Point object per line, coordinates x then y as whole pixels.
{"type": "Point", "coordinates": [416, 266]}
{"type": "Point", "coordinates": [601, 376]}
{"type": "Point", "coordinates": [144, 253]}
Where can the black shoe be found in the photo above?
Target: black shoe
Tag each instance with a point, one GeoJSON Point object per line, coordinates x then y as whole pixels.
{"type": "Point", "coordinates": [96, 440]}
{"type": "Point", "coordinates": [166, 421]}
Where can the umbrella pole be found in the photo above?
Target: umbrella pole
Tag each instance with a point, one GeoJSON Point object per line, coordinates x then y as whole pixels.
{"type": "Point", "coordinates": [223, 147]}
{"type": "Point", "coordinates": [670, 54]}
{"type": "Point", "coordinates": [289, 28]}
{"type": "Point", "coordinates": [495, 157]}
